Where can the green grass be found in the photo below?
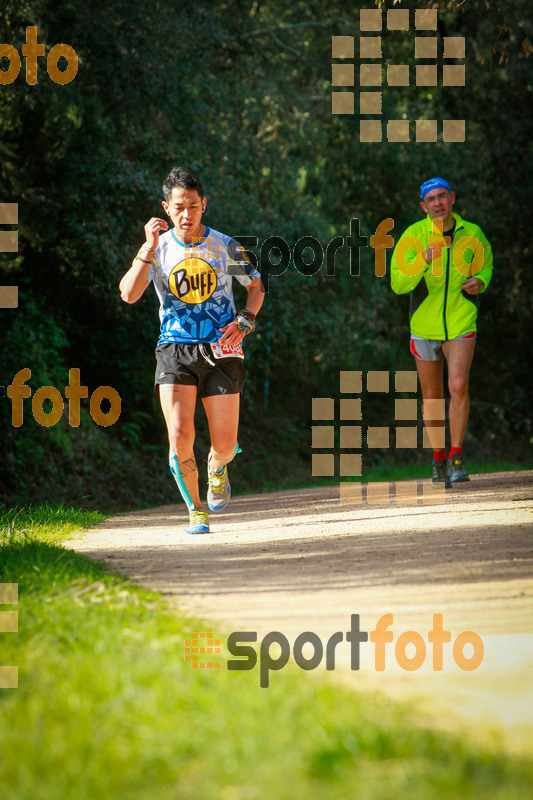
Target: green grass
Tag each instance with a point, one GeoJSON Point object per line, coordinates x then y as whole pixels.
{"type": "Point", "coordinates": [107, 708]}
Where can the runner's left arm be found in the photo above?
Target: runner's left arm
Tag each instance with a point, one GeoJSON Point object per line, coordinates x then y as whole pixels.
{"type": "Point", "coordinates": [256, 294]}
{"type": "Point", "coordinates": [242, 268]}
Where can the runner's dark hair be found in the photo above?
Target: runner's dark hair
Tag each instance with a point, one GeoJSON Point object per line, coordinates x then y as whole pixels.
{"type": "Point", "coordinates": [181, 176]}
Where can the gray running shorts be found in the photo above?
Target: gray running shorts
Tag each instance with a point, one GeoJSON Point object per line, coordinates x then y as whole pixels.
{"type": "Point", "coordinates": [431, 349]}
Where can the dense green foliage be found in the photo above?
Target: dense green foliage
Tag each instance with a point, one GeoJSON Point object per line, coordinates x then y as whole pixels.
{"type": "Point", "coordinates": [241, 92]}
{"type": "Point", "coordinates": [107, 707]}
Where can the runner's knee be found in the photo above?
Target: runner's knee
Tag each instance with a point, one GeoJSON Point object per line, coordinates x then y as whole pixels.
{"type": "Point", "coordinates": [458, 386]}
{"type": "Point", "coordinates": [181, 440]}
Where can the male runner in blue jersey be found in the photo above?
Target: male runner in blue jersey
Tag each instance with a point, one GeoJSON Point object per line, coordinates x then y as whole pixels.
{"type": "Point", "coordinates": [199, 352]}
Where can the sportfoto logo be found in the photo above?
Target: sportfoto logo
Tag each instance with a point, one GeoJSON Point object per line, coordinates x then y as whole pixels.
{"type": "Point", "coordinates": [239, 644]}
{"type": "Point", "coordinates": [372, 71]}
{"type": "Point", "coordinates": [74, 392]}
{"type": "Point", "coordinates": [308, 254]}
{"type": "Point", "coordinates": [194, 280]}
{"type": "Point", "coordinates": [31, 50]}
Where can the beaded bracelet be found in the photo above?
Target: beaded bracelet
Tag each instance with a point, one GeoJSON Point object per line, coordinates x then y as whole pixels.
{"type": "Point", "coordinates": [246, 314]}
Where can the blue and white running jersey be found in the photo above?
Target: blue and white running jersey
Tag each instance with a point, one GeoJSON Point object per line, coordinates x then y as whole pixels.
{"type": "Point", "coordinates": [194, 285]}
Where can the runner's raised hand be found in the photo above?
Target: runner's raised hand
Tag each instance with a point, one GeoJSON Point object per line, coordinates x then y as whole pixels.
{"type": "Point", "coordinates": [152, 230]}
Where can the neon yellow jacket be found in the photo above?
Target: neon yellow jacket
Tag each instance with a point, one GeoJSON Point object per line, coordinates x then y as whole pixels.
{"type": "Point", "coordinates": [439, 309]}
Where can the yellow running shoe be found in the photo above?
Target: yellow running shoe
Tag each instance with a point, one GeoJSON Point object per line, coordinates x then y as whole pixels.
{"type": "Point", "coordinates": [198, 521]}
{"type": "Point", "coordinates": [219, 489]}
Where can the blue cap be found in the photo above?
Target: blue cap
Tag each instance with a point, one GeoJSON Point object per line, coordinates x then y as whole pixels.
{"type": "Point", "coordinates": [433, 183]}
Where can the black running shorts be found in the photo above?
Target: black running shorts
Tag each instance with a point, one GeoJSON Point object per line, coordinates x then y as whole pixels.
{"type": "Point", "coordinates": [195, 365]}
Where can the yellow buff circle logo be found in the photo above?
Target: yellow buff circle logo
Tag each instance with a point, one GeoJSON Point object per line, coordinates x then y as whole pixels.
{"type": "Point", "coordinates": [193, 280]}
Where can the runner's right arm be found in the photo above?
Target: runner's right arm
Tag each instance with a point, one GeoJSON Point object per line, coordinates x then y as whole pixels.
{"type": "Point", "coordinates": [135, 281]}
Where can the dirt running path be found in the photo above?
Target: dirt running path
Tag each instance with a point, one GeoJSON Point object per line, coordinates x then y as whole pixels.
{"type": "Point", "coordinates": [299, 560]}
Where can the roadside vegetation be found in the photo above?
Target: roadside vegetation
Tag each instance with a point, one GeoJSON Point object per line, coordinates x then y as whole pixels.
{"type": "Point", "coordinates": [107, 707]}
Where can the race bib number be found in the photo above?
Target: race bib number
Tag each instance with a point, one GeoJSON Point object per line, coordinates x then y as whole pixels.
{"type": "Point", "coordinates": [227, 350]}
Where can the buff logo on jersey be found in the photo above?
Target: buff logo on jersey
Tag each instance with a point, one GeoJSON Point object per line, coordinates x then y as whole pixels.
{"type": "Point", "coordinates": [193, 280]}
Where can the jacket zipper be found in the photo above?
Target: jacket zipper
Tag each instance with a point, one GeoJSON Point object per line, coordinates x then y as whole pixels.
{"type": "Point", "coordinates": [447, 280]}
